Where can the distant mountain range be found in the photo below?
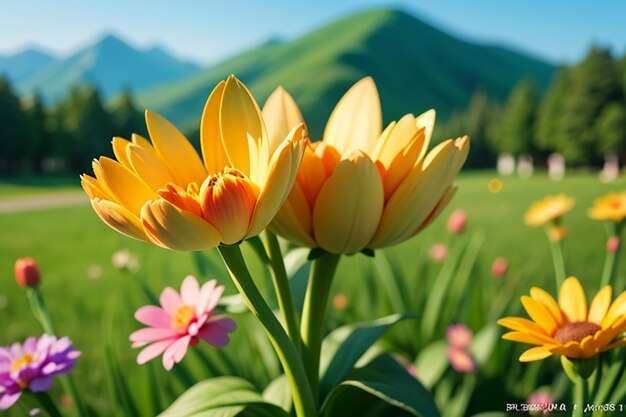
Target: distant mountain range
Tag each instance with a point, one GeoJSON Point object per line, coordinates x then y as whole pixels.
{"type": "Point", "coordinates": [110, 64]}
{"type": "Point", "coordinates": [415, 65]}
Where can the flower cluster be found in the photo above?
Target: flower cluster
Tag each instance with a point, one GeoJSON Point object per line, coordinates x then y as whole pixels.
{"type": "Point", "coordinates": [459, 338]}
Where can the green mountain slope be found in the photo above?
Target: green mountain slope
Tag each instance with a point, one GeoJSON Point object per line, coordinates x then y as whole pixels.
{"type": "Point", "coordinates": [22, 65]}
{"type": "Point", "coordinates": [111, 65]}
{"type": "Point", "coordinates": [415, 66]}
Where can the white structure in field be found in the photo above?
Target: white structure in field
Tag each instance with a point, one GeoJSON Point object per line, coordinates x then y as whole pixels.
{"type": "Point", "coordinates": [525, 166]}
{"type": "Point", "coordinates": [506, 164]}
{"type": "Point", "coordinates": [610, 170]}
{"type": "Point", "coordinates": [556, 166]}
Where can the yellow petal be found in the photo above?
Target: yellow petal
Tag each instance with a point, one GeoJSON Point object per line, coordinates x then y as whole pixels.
{"type": "Point", "coordinates": [356, 121]}
{"type": "Point", "coordinates": [215, 158]}
{"type": "Point", "coordinates": [535, 354]}
{"type": "Point", "coordinates": [175, 150]}
{"type": "Point", "coordinates": [539, 313]}
{"type": "Point", "coordinates": [572, 300]}
{"type": "Point", "coordinates": [617, 309]}
{"type": "Point", "coordinates": [395, 139]}
{"type": "Point", "coordinates": [522, 325]}
{"type": "Point", "coordinates": [119, 219]}
{"type": "Point", "coordinates": [139, 140]}
{"type": "Point", "coordinates": [281, 114]}
{"type": "Point", "coordinates": [426, 120]}
{"type": "Point", "coordinates": [530, 338]}
{"type": "Point", "coordinates": [548, 302]}
{"type": "Point", "coordinates": [177, 229]}
{"type": "Point", "coordinates": [616, 344]}
{"type": "Point", "coordinates": [93, 188]}
{"type": "Point", "coordinates": [441, 206]}
{"type": "Point", "coordinates": [119, 150]}
{"type": "Point", "coordinates": [239, 117]}
{"type": "Point", "coordinates": [281, 177]}
{"type": "Point", "coordinates": [149, 166]}
{"type": "Point", "coordinates": [416, 197]}
{"type": "Point", "coordinates": [293, 221]}
{"type": "Point", "coordinates": [349, 206]}
{"type": "Point", "coordinates": [600, 304]}
{"type": "Point", "coordinates": [128, 189]}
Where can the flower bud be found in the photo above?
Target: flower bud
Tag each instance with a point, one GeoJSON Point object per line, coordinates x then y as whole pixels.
{"type": "Point", "coordinates": [612, 244]}
{"type": "Point", "coordinates": [438, 252]}
{"type": "Point", "coordinates": [579, 368]}
{"type": "Point", "coordinates": [499, 267]}
{"type": "Point", "coordinates": [457, 221]}
{"type": "Point", "coordinates": [26, 273]}
{"type": "Point", "coordinates": [556, 233]}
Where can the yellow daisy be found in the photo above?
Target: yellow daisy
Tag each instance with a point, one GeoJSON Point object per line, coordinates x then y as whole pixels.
{"type": "Point", "coordinates": [568, 328]}
{"type": "Point", "coordinates": [547, 210]}
{"type": "Point", "coordinates": [611, 207]}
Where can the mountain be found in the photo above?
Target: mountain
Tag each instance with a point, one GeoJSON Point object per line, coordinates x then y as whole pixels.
{"type": "Point", "coordinates": [110, 64]}
{"type": "Point", "coordinates": [22, 65]}
{"type": "Point", "coordinates": [416, 66]}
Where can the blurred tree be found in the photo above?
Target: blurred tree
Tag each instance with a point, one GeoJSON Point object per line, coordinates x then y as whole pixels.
{"type": "Point", "coordinates": [13, 130]}
{"type": "Point", "coordinates": [127, 118]}
{"type": "Point", "coordinates": [610, 129]}
{"type": "Point", "coordinates": [86, 125]}
{"type": "Point", "coordinates": [515, 131]}
{"type": "Point", "coordinates": [40, 142]}
{"type": "Point", "coordinates": [480, 121]}
{"type": "Point", "coordinates": [595, 83]}
{"type": "Point", "coordinates": [548, 125]}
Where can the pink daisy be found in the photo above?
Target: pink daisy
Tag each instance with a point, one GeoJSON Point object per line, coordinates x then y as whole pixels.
{"type": "Point", "coordinates": [182, 320]}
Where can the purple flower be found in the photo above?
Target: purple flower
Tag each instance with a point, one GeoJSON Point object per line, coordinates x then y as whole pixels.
{"type": "Point", "coordinates": [32, 366]}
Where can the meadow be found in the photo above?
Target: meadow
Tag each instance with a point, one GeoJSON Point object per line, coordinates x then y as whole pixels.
{"type": "Point", "coordinates": [92, 301]}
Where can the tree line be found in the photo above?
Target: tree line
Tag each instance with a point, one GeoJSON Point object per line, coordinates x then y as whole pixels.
{"type": "Point", "coordinates": [582, 116]}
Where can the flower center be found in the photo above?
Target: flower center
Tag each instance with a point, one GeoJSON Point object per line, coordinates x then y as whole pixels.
{"type": "Point", "coordinates": [25, 360]}
{"type": "Point", "coordinates": [576, 332]}
{"type": "Point", "coordinates": [183, 317]}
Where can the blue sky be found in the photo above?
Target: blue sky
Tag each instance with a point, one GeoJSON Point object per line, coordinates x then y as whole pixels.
{"type": "Point", "coordinates": [206, 31]}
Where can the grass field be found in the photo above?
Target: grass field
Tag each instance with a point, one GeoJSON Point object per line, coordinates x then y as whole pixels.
{"type": "Point", "coordinates": [83, 290]}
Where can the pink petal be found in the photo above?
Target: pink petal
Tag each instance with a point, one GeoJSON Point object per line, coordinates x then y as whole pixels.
{"type": "Point", "coordinates": [153, 351]}
{"type": "Point", "coordinates": [215, 298]}
{"type": "Point", "coordinates": [170, 300]}
{"type": "Point", "coordinates": [7, 400]}
{"type": "Point", "coordinates": [151, 334]}
{"type": "Point", "coordinates": [175, 352]}
{"type": "Point", "coordinates": [205, 296]}
{"type": "Point", "coordinates": [190, 290]}
{"type": "Point", "coordinates": [153, 316]}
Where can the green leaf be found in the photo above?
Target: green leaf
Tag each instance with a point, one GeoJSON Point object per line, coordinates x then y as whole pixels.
{"type": "Point", "coordinates": [457, 405]}
{"type": "Point", "coordinates": [222, 397]}
{"type": "Point", "coordinates": [432, 362]}
{"type": "Point", "coordinates": [373, 389]}
{"type": "Point", "coordinates": [278, 393]}
{"type": "Point", "coordinates": [343, 347]}
{"type": "Point", "coordinates": [483, 344]}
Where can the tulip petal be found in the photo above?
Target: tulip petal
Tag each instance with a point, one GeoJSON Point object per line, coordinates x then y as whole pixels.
{"type": "Point", "coordinates": [240, 116]}
{"type": "Point", "coordinates": [177, 229]}
{"type": "Point", "coordinates": [149, 166]}
{"type": "Point", "coordinates": [175, 150]}
{"type": "Point", "coordinates": [349, 205]}
{"type": "Point", "coordinates": [282, 175]}
{"type": "Point", "coordinates": [426, 120]}
{"type": "Point", "coordinates": [215, 158]}
{"type": "Point", "coordinates": [416, 197]}
{"type": "Point", "coordinates": [125, 185]}
{"type": "Point", "coordinates": [356, 121]}
{"type": "Point", "coordinates": [572, 300]}
{"type": "Point", "coordinates": [441, 206]}
{"type": "Point", "coordinates": [94, 189]}
{"type": "Point", "coordinates": [293, 221]}
{"type": "Point", "coordinates": [281, 114]}
{"type": "Point", "coordinates": [119, 218]}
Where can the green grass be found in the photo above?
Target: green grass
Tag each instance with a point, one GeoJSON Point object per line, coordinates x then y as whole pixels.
{"type": "Point", "coordinates": [36, 186]}
{"type": "Point", "coordinates": [68, 242]}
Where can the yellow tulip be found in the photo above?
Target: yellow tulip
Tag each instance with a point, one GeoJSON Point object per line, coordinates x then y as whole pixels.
{"type": "Point", "coordinates": [163, 193]}
{"type": "Point", "coordinates": [360, 187]}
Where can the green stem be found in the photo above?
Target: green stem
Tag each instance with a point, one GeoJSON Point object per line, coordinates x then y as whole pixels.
{"type": "Point", "coordinates": [287, 353]}
{"type": "Point", "coordinates": [580, 397]}
{"type": "Point", "coordinates": [559, 262]}
{"type": "Point", "coordinates": [283, 291]}
{"type": "Point", "coordinates": [314, 314]}
{"type": "Point", "coordinates": [41, 313]}
{"type": "Point", "coordinates": [46, 403]}
{"type": "Point", "coordinates": [611, 260]}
